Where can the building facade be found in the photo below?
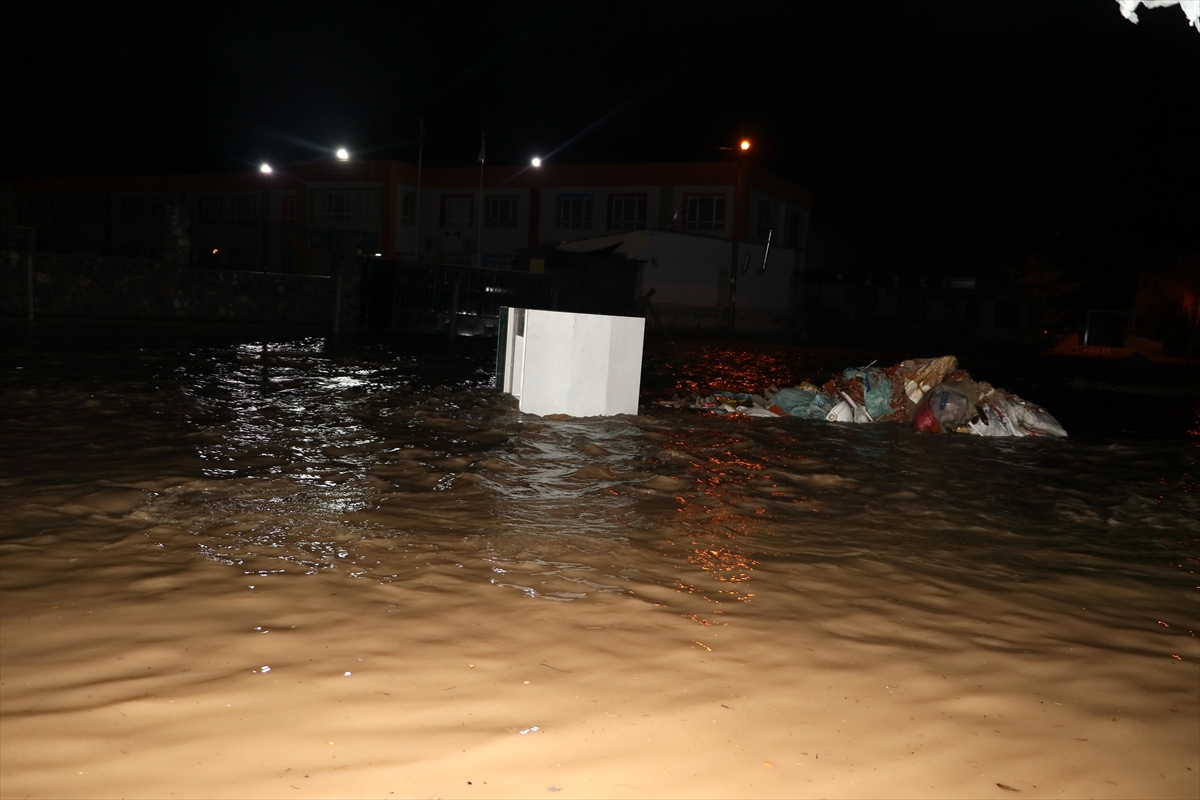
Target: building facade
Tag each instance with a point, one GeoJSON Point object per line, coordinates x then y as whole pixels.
{"type": "Point", "coordinates": [311, 219]}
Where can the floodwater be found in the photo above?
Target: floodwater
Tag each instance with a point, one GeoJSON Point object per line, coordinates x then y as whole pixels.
{"type": "Point", "coordinates": [279, 568]}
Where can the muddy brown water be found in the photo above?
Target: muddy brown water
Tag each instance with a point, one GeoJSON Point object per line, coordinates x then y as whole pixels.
{"type": "Point", "coordinates": [263, 567]}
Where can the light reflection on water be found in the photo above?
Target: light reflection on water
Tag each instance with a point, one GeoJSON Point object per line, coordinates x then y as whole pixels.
{"type": "Point", "coordinates": [288, 457]}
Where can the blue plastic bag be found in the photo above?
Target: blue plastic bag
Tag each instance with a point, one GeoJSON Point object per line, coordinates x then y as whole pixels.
{"type": "Point", "coordinates": [803, 403]}
{"type": "Point", "coordinates": [877, 390]}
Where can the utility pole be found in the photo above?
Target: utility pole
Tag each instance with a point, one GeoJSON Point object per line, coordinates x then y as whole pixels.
{"type": "Point", "coordinates": [417, 211]}
{"type": "Point", "coordinates": [479, 238]}
{"type": "Point", "coordinates": [738, 213]}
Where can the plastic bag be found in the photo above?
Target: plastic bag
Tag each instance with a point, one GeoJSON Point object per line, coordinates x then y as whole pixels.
{"type": "Point", "coordinates": [1002, 413]}
{"type": "Point", "coordinates": [919, 375]}
{"type": "Point", "coordinates": [848, 411]}
{"type": "Point", "coordinates": [806, 402]}
{"type": "Point", "coordinates": [877, 390]}
{"type": "Point", "coordinates": [947, 407]}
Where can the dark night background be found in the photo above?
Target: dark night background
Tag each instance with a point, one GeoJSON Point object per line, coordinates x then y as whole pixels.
{"type": "Point", "coordinates": [948, 136]}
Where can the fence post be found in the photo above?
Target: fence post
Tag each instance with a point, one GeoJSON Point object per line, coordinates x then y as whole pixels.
{"type": "Point", "coordinates": [453, 327]}
{"type": "Point", "coordinates": [337, 301]}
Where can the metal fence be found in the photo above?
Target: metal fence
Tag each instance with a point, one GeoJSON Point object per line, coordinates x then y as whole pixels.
{"type": "Point", "coordinates": [437, 298]}
{"type": "Point", "coordinates": [159, 228]}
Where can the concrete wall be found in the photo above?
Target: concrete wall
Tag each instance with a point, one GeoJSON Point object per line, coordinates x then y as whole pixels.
{"type": "Point", "coordinates": [689, 274]}
{"type": "Point", "coordinates": [779, 219]}
{"type": "Point", "coordinates": [691, 269]}
{"type": "Point", "coordinates": [92, 286]}
{"type": "Point", "coordinates": [439, 241]}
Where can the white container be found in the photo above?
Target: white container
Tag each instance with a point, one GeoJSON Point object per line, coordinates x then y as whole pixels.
{"type": "Point", "coordinates": [582, 365]}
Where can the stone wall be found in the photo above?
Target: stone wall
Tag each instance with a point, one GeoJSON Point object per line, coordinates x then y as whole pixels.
{"type": "Point", "coordinates": [120, 288]}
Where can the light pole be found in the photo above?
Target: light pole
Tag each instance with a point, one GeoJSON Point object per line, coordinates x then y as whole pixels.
{"type": "Point", "coordinates": [738, 191]}
{"type": "Point", "coordinates": [535, 214]}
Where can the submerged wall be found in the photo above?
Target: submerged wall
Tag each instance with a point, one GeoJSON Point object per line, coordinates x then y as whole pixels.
{"type": "Point", "coordinates": [125, 288]}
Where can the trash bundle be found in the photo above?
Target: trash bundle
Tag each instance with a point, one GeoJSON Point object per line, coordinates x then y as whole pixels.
{"type": "Point", "coordinates": [931, 394]}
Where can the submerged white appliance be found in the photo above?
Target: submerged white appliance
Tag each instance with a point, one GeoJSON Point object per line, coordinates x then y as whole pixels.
{"type": "Point", "coordinates": [582, 365]}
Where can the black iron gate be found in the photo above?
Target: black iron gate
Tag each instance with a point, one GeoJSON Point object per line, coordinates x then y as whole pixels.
{"type": "Point", "coordinates": [439, 298]}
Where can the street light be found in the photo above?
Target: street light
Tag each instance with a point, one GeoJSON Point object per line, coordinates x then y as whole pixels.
{"type": "Point", "coordinates": [739, 215]}
{"type": "Point", "coordinates": [265, 169]}
{"type": "Point", "coordinates": [536, 162]}
{"type": "Point", "coordinates": [343, 154]}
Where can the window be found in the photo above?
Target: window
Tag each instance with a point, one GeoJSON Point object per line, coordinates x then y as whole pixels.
{"type": "Point", "coordinates": [456, 211]}
{"type": "Point", "coordinates": [764, 218]}
{"type": "Point", "coordinates": [575, 211]}
{"type": "Point", "coordinates": [627, 212]}
{"type": "Point", "coordinates": [793, 231]}
{"type": "Point", "coordinates": [289, 209]}
{"type": "Point", "coordinates": [705, 213]}
{"type": "Point", "coordinates": [241, 209]}
{"type": "Point", "coordinates": [348, 206]}
{"type": "Point", "coordinates": [210, 209]}
{"type": "Point", "coordinates": [501, 212]}
{"type": "Point", "coordinates": [408, 208]}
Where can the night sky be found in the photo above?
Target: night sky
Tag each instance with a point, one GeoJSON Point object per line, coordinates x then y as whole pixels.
{"type": "Point", "coordinates": [932, 133]}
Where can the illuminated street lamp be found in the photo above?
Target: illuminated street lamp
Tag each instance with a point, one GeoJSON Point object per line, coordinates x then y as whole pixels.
{"type": "Point", "coordinates": [265, 168]}
{"type": "Point", "coordinates": [342, 154]}
{"type": "Point", "coordinates": [743, 146]}
{"type": "Point", "coordinates": [739, 215]}
{"type": "Point", "coordinates": [536, 162]}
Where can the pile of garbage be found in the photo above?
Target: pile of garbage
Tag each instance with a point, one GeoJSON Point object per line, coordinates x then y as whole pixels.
{"type": "Point", "coordinates": [931, 394]}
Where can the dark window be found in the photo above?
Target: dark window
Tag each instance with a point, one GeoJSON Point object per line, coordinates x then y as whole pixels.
{"type": "Point", "coordinates": [575, 211]}
{"type": "Point", "coordinates": [408, 208]}
{"type": "Point", "coordinates": [210, 209]}
{"type": "Point", "coordinates": [289, 209]}
{"type": "Point", "coordinates": [348, 206]}
{"type": "Point", "coordinates": [501, 212]}
{"type": "Point", "coordinates": [241, 209]}
{"type": "Point", "coordinates": [764, 218]}
{"type": "Point", "coordinates": [793, 229]}
{"type": "Point", "coordinates": [456, 211]}
{"type": "Point", "coordinates": [705, 213]}
{"type": "Point", "coordinates": [627, 212]}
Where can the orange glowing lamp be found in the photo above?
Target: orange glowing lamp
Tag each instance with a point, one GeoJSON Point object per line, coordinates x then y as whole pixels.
{"type": "Point", "coordinates": [745, 145]}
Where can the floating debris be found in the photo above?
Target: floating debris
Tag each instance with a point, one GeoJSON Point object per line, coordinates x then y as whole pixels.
{"type": "Point", "coordinates": [931, 394]}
